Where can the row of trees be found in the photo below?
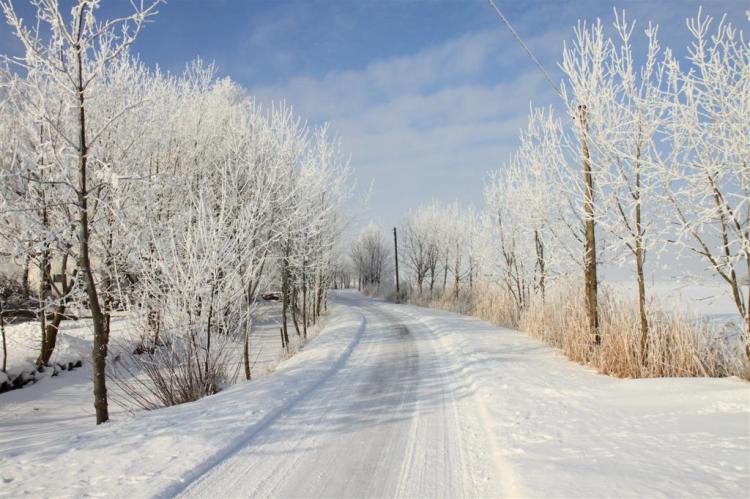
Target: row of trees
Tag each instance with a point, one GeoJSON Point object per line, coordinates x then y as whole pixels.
{"type": "Point", "coordinates": [438, 242]}
{"type": "Point", "coordinates": [370, 256]}
{"type": "Point", "coordinates": [175, 197]}
{"type": "Point", "coordinates": [439, 251]}
{"type": "Point", "coordinates": [651, 159]}
{"type": "Point", "coordinates": [438, 248]}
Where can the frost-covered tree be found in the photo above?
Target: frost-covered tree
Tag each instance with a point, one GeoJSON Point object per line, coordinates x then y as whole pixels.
{"type": "Point", "coordinates": [70, 51]}
{"type": "Point", "coordinates": [526, 212]}
{"type": "Point", "coordinates": [371, 256]}
{"type": "Point", "coordinates": [256, 193]}
{"type": "Point", "coordinates": [632, 200]}
{"type": "Point", "coordinates": [436, 238]}
{"type": "Point", "coordinates": [588, 96]}
{"type": "Point", "coordinates": [707, 173]}
{"type": "Point", "coordinates": [420, 246]}
{"type": "Point", "coordinates": [174, 197]}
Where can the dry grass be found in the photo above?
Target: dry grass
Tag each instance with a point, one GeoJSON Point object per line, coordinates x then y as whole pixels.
{"type": "Point", "coordinates": [484, 302]}
{"type": "Point", "coordinates": [677, 346]}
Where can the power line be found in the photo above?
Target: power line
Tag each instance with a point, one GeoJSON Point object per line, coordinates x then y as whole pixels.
{"type": "Point", "coordinates": [525, 47]}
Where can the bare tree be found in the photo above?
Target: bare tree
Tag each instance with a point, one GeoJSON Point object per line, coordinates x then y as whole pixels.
{"type": "Point", "coordinates": [707, 174]}
{"type": "Point", "coordinates": [371, 257]}
{"type": "Point", "coordinates": [631, 180]}
{"type": "Point", "coordinates": [419, 244]}
{"type": "Point", "coordinates": [76, 53]}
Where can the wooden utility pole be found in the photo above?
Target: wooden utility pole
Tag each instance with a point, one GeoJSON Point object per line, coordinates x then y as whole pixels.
{"type": "Point", "coordinates": [395, 252]}
{"type": "Point", "coordinates": [589, 263]}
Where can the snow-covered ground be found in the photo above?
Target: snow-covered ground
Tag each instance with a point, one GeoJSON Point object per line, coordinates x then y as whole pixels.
{"type": "Point", "coordinates": [74, 341]}
{"type": "Point", "coordinates": [53, 408]}
{"type": "Point", "coordinates": [394, 400]}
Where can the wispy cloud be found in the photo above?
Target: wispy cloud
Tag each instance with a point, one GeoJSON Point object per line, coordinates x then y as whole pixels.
{"type": "Point", "coordinates": [433, 121]}
{"type": "Point", "coordinates": [425, 124]}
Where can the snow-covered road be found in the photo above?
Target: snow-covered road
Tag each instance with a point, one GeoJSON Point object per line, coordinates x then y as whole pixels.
{"type": "Point", "coordinates": [399, 401]}
{"type": "Point", "coordinates": [393, 421]}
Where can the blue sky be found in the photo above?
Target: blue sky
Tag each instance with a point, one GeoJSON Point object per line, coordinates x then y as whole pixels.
{"type": "Point", "coordinates": [427, 95]}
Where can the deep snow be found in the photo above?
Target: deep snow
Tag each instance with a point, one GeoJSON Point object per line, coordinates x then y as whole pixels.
{"type": "Point", "coordinates": [401, 401]}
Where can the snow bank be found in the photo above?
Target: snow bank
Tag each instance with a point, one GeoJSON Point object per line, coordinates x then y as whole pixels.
{"type": "Point", "coordinates": [157, 452]}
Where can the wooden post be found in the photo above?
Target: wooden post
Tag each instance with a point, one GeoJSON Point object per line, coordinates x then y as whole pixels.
{"type": "Point", "coordinates": [395, 252]}
{"type": "Point", "coordinates": [590, 263]}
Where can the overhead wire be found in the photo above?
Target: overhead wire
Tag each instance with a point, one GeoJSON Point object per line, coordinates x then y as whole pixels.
{"type": "Point", "coordinates": [525, 47]}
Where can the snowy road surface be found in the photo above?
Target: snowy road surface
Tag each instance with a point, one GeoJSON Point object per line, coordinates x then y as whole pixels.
{"type": "Point", "coordinates": [399, 401]}
{"type": "Point", "coordinates": [392, 422]}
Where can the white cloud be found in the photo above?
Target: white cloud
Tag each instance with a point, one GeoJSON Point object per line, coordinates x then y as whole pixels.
{"type": "Point", "coordinates": [433, 122]}
{"type": "Point", "coordinates": [425, 124]}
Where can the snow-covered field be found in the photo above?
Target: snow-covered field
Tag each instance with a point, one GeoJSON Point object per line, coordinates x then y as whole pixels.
{"type": "Point", "coordinates": [708, 300]}
{"type": "Point", "coordinates": [394, 400]}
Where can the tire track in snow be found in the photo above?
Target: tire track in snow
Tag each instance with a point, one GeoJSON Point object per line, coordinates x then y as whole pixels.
{"type": "Point", "coordinates": [265, 422]}
{"type": "Point", "coordinates": [270, 483]}
{"type": "Point", "coordinates": [371, 398]}
{"type": "Point", "coordinates": [385, 423]}
{"type": "Point", "coordinates": [510, 481]}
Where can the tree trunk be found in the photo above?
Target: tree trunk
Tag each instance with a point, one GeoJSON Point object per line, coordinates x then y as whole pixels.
{"type": "Point", "coordinates": [320, 301]}
{"type": "Point", "coordinates": [45, 283]}
{"type": "Point", "coordinates": [249, 295]}
{"type": "Point", "coordinates": [246, 349]}
{"type": "Point", "coordinates": [154, 323]}
{"type": "Point", "coordinates": [642, 302]}
{"type": "Point", "coordinates": [5, 342]}
{"type": "Point", "coordinates": [539, 244]}
{"type": "Point", "coordinates": [640, 260]}
{"type": "Point", "coordinates": [471, 273]}
{"type": "Point", "coordinates": [395, 253]}
{"type": "Point", "coordinates": [207, 362]}
{"type": "Point", "coordinates": [51, 327]}
{"type": "Point", "coordinates": [304, 297]}
{"type": "Point", "coordinates": [285, 300]}
{"type": "Point", "coordinates": [107, 285]}
{"type": "Point", "coordinates": [318, 296]}
{"type": "Point", "coordinates": [590, 270]}
{"type": "Point", "coordinates": [294, 312]}
{"type": "Point", "coordinates": [101, 333]}
{"type": "Point", "coordinates": [456, 272]}
{"type": "Point", "coordinates": [304, 310]}
{"type": "Point", "coordinates": [445, 274]}
{"type": "Point", "coordinates": [25, 275]}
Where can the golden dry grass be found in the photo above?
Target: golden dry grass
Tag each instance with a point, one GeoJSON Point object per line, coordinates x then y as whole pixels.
{"type": "Point", "coordinates": [678, 345]}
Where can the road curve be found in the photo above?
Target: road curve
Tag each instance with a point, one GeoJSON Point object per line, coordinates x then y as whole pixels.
{"type": "Point", "coordinates": [391, 422]}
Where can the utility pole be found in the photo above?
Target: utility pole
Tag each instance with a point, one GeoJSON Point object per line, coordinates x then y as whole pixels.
{"type": "Point", "coordinates": [589, 264]}
{"type": "Point", "coordinates": [395, 252]}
